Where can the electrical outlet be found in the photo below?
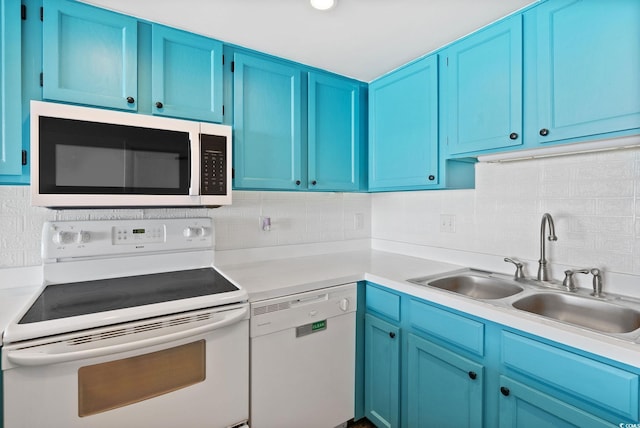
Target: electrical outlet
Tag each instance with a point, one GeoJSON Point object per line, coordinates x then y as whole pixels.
{"type": "Point", "coordinates": [448, 223]}
{"type": "Point", "coordinates": [265, 223]}
{"type": "Point", "coordinates": [358, 221]}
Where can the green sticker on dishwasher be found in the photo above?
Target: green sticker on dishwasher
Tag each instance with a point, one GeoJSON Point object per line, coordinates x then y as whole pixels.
{"type": "Point", "coordinates": [319, 325]}
{"type": "Point", "coordinates": [313, 327]}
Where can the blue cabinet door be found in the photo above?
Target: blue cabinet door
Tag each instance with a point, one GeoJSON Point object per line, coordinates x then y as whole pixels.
{"type": "Point", "coordinates": [444, 388]}
{"type": "Point", "coordinates": [484, 89]}
{"type": "Point", "coordinates": [335, 142]}
{"type": "Point", "coordinates": [587, 68]}
{"type": "Point", "coordinates": [382, 372]}
{"type": "Point", "coordinates": [186, 75]}
{"type": "Point", "coordinates": [403, 127]}
{"type": "Point", "coordinates": [267, 120]}
{"type": "Point", "coordinates": [10, 95]}
{"type": "Point", "coordinates": [524, 407]}
{"type": "Point", "coordinates": [90, 55]}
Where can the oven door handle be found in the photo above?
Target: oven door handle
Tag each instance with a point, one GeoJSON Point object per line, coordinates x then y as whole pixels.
{"type": "Point", "coordinates": [45, 356]}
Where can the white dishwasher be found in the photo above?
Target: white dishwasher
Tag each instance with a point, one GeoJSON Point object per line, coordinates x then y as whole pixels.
{"type": "Point", "coordinates": [303, 359]}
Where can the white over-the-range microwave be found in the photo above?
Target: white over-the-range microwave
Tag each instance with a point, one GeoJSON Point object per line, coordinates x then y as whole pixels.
{"type": "Point", "coordinates": [89, 157]}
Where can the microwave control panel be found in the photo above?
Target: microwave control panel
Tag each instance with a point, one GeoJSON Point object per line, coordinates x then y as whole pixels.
{"type": "Point", "coordinates": [213, 165]}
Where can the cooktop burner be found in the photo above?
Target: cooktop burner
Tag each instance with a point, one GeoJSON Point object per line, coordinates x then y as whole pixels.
{"type": "Point", "coordinates": [88, 297]}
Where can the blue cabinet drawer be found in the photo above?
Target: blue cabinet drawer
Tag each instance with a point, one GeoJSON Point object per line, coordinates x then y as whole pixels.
{"type": "Point", "coordinates": [611, 388]}
{"type": "Point", "coordinates": [461, 331]}
{"type": "Point", "coordinates": [383, 302]}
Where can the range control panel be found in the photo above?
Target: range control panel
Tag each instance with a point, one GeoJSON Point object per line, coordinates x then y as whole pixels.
{"type": "Point", "coordinates": [138, 235]}
{"type": "Point", "coordinates": [75, 239]}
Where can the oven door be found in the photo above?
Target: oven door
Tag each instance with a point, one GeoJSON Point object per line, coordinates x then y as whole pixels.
{"type": "Point", "coordinates": [185, 370]}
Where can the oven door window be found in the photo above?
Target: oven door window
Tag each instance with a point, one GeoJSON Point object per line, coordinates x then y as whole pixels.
{"type": "Point", "coordinates": [79, 157]}
{"type": "Point", "coordinates": [114, 384]}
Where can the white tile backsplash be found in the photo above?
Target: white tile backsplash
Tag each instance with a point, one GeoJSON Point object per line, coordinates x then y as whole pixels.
{"type": "Point", "coordinates": [296, 218]}
{"type": "Point", "coordinates": [594, 199]}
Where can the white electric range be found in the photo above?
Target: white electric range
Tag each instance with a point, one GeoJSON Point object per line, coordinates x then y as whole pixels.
{"type": "Point", "coordinates": [133, 327]}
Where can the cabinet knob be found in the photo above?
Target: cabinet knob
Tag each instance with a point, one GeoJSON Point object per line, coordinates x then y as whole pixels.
{"type": "Point", "coordinates": [159, 104]}
{"type": "Point", "coordinates": [297, 182]}
{"type": "Point", "coordinates": [392, 334]}
{"type": "Point", "coordinates": [504, 391]}
{"type": "Point", "coordinates": [131, 100]}
{"type": "Point", "coordinates": [473, 375]}
{"type": "Point", "coordinates": [432, 177]}
{"type": "Point", "coordinates": [513, 135]}
{"type": "Point", "coordinates": [314, 182]}
{"type": "Point", "coordinates": [544, 132]}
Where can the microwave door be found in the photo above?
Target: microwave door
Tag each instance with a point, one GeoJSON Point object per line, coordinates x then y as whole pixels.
{"type": "Point", "coordinates": [95, 167]}
{"type": "Point", "coordinates": [149, 169]}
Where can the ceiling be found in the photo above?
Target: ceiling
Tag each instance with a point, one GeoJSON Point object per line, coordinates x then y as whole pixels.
{"type": "Point", "coordinates": [362, 39]}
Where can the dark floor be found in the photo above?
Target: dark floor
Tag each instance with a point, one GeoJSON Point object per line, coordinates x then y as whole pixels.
{"type": "Point", "coordinates": [362, 423]}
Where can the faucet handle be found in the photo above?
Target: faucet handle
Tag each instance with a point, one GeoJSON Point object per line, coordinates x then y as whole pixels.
{"type": "Point", "coordinates": [519, 274]}
{"type": "Point", "coordinates": [568, 278]}
{"type": "Point", "coordinates": [597, 282]}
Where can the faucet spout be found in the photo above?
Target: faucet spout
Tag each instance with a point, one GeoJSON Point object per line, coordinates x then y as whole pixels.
{"type": "Point", "coordinates": [547, 220]}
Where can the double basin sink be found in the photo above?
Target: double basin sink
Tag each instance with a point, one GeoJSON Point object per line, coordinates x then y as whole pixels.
{"type": "Point", "coordinates": [609, 315]}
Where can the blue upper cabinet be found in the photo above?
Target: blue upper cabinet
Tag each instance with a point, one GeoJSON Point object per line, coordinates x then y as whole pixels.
{"type": "Point", "coordinates": [586, 69]}
{"type": "Point", "coordinates": [335, 134]}
{"type": "Point", "coordinates": [484, 89]}
{"type": "Point", "coordinates": [403, 127]}
{"type": "Point", "coordinates": [10, 82]}
{"type": "Point", "coordinates": [90, 55]}
{"type": "Point", "coordinates": [267, 121]}
{"type": "Point", "coordinates": [186, 75]}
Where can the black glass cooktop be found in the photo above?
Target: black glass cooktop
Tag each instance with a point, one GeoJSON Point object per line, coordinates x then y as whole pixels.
{"type": "Point", "coordinates": [88, 297]}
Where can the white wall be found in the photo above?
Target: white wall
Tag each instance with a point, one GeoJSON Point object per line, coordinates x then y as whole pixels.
{"type": "Point", "coordinates": [296, 218]}
{"type": "Point", "coordinates": [594, 199]}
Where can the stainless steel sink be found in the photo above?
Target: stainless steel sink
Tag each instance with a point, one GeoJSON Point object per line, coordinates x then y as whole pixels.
{"type": "Point", "coordinates": [581, 311]}
{"type": "Point", "coordinates": [472, 285]}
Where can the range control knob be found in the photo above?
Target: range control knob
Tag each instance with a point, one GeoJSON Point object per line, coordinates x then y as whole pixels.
{"type": "Point", "coordinates": [82, 237]}
{"type": "Point", "coordinates": [61, 237]}
{"type": "Point", "coordinates": [344, 305]}
{"type": "Point", "coordinates": [194, 232]}
{"type": "Point", "coordinates": [190, 232]}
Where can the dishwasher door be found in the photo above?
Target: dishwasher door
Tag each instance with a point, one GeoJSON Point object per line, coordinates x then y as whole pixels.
{"type": "Point", "coordinates": [303, 359]}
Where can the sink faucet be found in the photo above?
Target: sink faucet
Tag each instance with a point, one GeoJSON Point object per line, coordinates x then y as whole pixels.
{"type": "Point", "coordinates": [518, 264]}
{"type": "Point", "coordinates": [568, 282]}
{"type": "Point", "coordinates": [543, 274]}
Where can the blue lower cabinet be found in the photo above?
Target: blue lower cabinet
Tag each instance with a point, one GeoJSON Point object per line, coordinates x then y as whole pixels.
{"type": "Point", "coordinates": [382, 372]}
{"type": "Point", "coordinates": [444, 388]}
{"type": "Point", "coordinates": [481, 373]}
{"type": "Point", "coordinates": [1, 396]}
{"type": "Point", "coordinates": [524, 407]}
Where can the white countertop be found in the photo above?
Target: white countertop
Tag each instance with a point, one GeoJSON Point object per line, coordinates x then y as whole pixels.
{"type": "Point", "coordinates": [17, 286]}
{"type": "Point", "coordinates": [280, 277]}
{"type": "Point", "coordinates": [265, 279]}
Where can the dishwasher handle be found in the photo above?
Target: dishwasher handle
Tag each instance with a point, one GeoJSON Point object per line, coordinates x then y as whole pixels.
{"type": "Point", "coordinates": [33, 357]}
